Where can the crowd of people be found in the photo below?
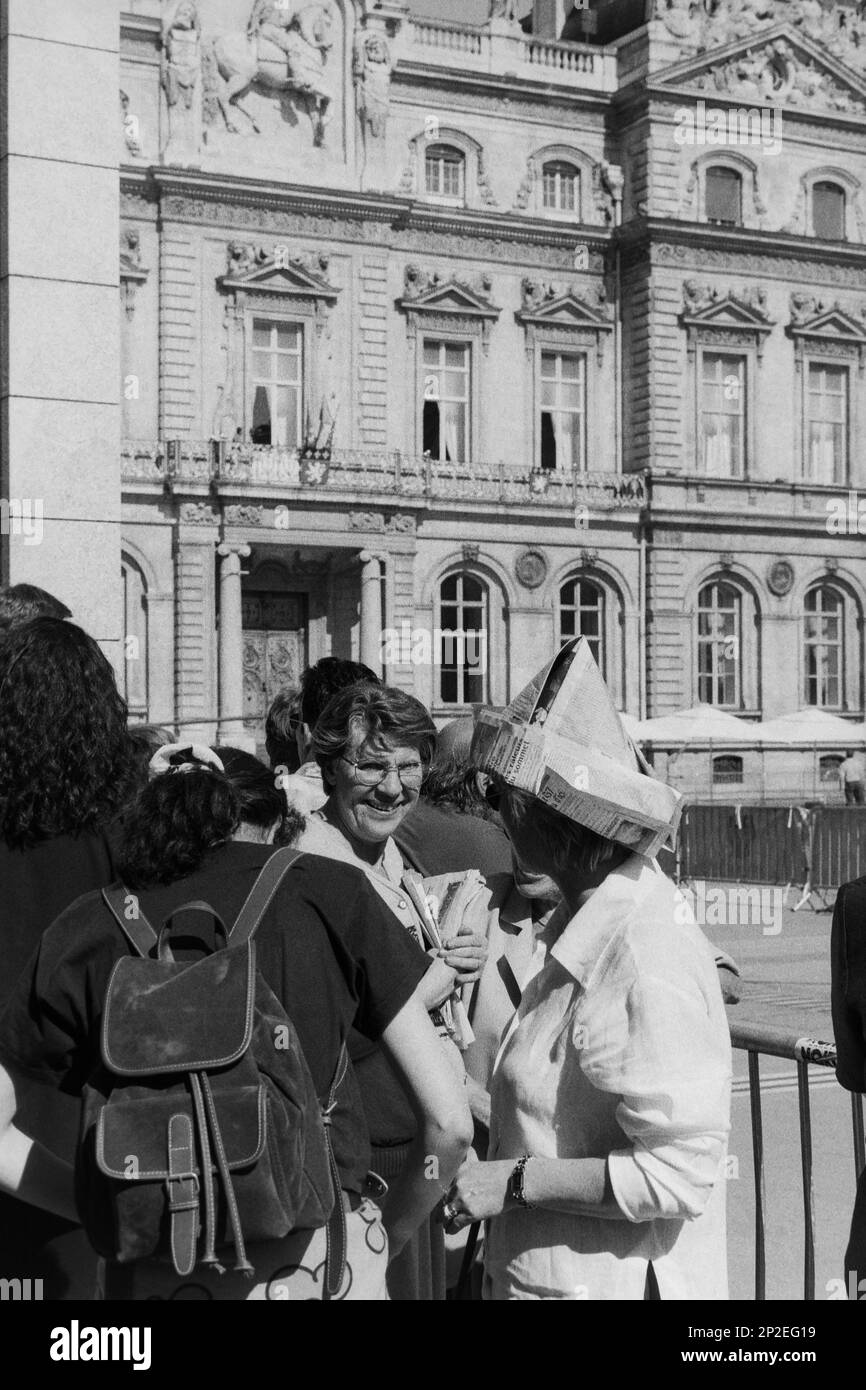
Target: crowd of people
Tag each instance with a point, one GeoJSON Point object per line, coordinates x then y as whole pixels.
{"type": "Point", "coordinates": [513, 1026]}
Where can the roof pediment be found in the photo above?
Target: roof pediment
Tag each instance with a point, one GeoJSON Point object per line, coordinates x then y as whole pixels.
{"type": "Point", "coordinates": [779, 67]}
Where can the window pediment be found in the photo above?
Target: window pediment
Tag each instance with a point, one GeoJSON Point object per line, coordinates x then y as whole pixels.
{"type": "Point", "coordinates": [710, 316]}
{"type": "Point", "coordinates": [546, 305]}
{"type": "Point", "coordinates": [278, 272]}
{"type": "Point", "coordinates": [430, 293]}
{"type": "Point", "coordinates": [815, 322]}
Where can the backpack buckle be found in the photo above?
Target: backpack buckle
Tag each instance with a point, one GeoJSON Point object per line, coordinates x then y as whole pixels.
{"type": "Point", "coordinates": [190, 1194]}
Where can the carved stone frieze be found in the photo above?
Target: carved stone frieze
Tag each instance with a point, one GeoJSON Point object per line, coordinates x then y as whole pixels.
{"type": "Point", "coordinates": [768, 263]}
{"type": "Point", "coordinates": [242, 514]}
{"type": "Point", "coordinates": [837, 28]}
{"type": "Point", "coordinates": [778, 73]}
{"type": "Point", "coordinates": [131, 271]}
{"type": "Point", "coordinates": [365, 521]}
{"type": "Point", "coordinates": [198, 514]}
{"type": "Point", "coordinates": [401, 524]}
{"type": "Point", "coordinates": [531, 568]}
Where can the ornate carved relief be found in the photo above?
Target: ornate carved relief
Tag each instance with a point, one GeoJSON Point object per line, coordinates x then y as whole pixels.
{"type": "Point", "coordinates": [563, 315]}
{"type": "Point", "coordinates": [450, 304]}
{"type": "Point", "coordinates": [181, 77]}
{"type": "Point", "coordinates": [531, 568]}
{"type": "Point", "coordinates": [283, 52]}
{"type": "Point", "coordinates": [371, 70]}
{"type": "Point", "coordinates": [816, 325]}
{"type": "Point", "coordinates": [198, 514]}
{"type": "Point", "coordinates": [710, 316]}
{"type": "Point", "coordinates": [132, 272]}
{"type": "Point", "coordinates": [365, 521]}
{"type": "Point", "coordinates": [241, 514]}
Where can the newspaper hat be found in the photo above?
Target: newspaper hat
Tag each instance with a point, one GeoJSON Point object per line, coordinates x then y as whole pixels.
{"type": "Point", "coordinates": [562, 741]}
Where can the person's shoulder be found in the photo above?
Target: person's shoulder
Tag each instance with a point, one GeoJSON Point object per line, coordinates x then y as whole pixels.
{"type": "Point", "coordinates": [851, 899]}
{"type": "Point", "coordinates": [315, 873]}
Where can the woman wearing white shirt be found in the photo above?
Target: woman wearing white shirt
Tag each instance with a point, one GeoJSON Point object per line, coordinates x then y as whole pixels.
{"type": "Point", "coordinates": [610, 1096]}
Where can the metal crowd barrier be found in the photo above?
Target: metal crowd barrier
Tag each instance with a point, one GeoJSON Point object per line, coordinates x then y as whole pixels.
{"type": "Point", "coordinates": [806, 1052]}
{"type": "Point", "coordinates": [813, 847]}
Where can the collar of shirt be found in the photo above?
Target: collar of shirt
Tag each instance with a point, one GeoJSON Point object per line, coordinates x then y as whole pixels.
{"type": "Point", "coordinates": [602, 912]}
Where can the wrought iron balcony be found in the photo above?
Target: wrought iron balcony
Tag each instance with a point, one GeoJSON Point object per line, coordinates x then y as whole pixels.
{"type": "Point", "coordinates": [265, 469]}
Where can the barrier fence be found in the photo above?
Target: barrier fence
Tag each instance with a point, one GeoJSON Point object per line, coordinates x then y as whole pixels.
{"type": "Point", "coordinates": [815, 848]}
{"type": "Point", "coordinates": [806, 1052]}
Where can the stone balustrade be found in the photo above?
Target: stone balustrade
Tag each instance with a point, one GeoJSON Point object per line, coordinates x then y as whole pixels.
{"type": "Point", "coordinates": [263, 469]}
{"type": "Point", "coordinates": [500, 47]}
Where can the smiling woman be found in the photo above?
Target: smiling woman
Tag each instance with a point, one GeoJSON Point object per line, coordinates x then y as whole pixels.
{"type": "Point", "coordinates": [374, 746]}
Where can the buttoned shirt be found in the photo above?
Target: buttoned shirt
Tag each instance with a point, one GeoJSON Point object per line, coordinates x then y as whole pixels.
{"type": "Point", "coordinates": [619, 1050]}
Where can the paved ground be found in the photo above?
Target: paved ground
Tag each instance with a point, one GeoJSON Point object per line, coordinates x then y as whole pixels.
{"type": "Point", "coordinates": [786, 984]}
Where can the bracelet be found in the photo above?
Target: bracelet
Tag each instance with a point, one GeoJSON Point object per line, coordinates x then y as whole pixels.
{"type": "Point", "coordinates": [516, 1183]}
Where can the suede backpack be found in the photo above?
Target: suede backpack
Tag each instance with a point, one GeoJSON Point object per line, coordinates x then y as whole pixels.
{"type": "Point", "coordinates": [203, 1104]}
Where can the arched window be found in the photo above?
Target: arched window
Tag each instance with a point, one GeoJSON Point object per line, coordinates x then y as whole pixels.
{"type": "Point", "coordinates": [828, 211]}
{"type": "Point", "coordinates": [445, 172]}
{"type": "Point", "coordinates": [134, 671]}
{"type": "Point", "coordinates": [723, 196]}
{"type": "Point", "coordinates": [464, 606]}
{"type": "Point", "coordinates": [582, 614]}
{"type": "Point", "coordinates": [720, 645]}
{"type": "Point", "coordinates": [824, 647]}
{"type": "Point", "coordinates": [560, 186]}
{"type": "Point", "coordinates": [727, 769]}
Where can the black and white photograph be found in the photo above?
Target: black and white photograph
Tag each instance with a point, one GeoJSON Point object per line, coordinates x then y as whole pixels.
{"type": "Point", "coordinates": [433, 663]}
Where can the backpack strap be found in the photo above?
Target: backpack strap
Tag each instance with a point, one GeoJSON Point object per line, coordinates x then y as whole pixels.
{"type": "Point", "coordinates": [138, 931]}
{"type": "Point", "coordinates": [263, 890]}
{"type": "Point", "coordinates": [336, 1239]}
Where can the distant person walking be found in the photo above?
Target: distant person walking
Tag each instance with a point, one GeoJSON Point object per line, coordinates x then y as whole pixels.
{"type": "Point", "coordinates": [853, 774]}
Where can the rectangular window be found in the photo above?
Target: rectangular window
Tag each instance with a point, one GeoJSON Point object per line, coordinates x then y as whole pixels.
{"type": "Point", "coordinates": [724, 197]}
{"type": "Point", "coordinates": [826, 424]}
{"type": "Point", "coordinates": [276, 383]}
{"type": "Point", "coordinates": [722, 450]}
{"type": "Point", "coordinates": [446, 400]}
{"type": "Point", "coordinates": [444, 172]}
{"type": "Point", "coordinates": [562, 390]}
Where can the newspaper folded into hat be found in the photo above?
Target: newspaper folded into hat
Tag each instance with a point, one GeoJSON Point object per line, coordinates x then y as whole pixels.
{"type": "Point", "coordinates": [562, 741]}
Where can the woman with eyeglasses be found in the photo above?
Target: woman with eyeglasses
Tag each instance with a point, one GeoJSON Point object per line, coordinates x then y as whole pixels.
{"type": "Point", "coordinates": [374, 745]}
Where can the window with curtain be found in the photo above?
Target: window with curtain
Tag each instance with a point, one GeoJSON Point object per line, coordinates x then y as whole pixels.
{"type": "Point", "coordinates": [727, 768]}
{"type": "Point", "coordinates": [828, 211]}
{"type": "Point", "coordinates": [134, 677]}
{"type": "Point", "coordinates": [723, 415]}
{"type": "Point", "coordinates": [582, 614]}
{"type": "Point", "coordinates": [560, 186]}
{"type": "Point", "coordinates": [824, 647]}
{"type": "Point", "coordinates": [563, 411]}
{"type": "Point", "coordinates": [446, 400]}
{"type": "Point", "coordinates": [463, 639]}
{"type": "Point", "coordinates": [719, 645]}
{"type": "Point", "coordinates": [723, 196]}
{"type": "Point", "coordinates": [826, 424]}
{"type": "Point", "coordinates": [276, 378]}
{"type": "Point", "coordinates": [445, 171]}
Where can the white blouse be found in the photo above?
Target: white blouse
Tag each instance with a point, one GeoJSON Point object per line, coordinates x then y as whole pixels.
{"type": "Point", "coordinates": [620, 1049]}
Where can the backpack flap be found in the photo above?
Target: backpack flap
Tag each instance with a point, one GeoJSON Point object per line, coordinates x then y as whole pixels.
{"type": "Point", "coordinates": [164, 1016]}
{"type": "Point", "coordinates": [132, 1131]}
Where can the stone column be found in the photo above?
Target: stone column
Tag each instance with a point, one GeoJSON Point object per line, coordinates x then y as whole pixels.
{"type": "Point", "coordinates": [231, 690]}
{"type": "Point", "coordinates": [371, 610]}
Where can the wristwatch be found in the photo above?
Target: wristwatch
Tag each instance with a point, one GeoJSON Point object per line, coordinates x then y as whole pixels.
{"type": "Point", "coordinates": [515, 1182]}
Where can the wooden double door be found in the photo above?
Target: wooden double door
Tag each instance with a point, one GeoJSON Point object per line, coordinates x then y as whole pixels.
{"type": "Point", "coordinates": [275, 650]}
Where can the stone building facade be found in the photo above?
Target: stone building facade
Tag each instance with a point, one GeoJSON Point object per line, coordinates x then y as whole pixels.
{"type": "Point", "coordinates": [426, 327]}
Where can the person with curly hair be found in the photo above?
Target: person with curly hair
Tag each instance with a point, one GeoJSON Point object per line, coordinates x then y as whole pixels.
{"type": "Point", "coordinates": [66, 766]}
{"type": "Point", "coordinates": [332, 954]}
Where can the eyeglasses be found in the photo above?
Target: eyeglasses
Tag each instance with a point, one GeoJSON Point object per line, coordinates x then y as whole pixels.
{"type": "Point", "coordinates": [370, 773]}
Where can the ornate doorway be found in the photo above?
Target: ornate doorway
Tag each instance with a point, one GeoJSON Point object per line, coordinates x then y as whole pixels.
{"type": "Point", "coordinates": [275, 647]}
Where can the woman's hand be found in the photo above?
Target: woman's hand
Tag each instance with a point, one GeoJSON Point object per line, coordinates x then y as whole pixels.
{"type": "Point", "coordinates": [479, 1192]}
{"type": "Point", "coordinates": [438, 984]}
{"type": "Point", "coordinates": [467, 955]}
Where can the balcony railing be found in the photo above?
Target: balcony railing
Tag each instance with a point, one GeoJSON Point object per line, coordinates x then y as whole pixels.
{"type": "Point", "coordinates": [263, 469]}
{"type": "Point", "coordinates": [495, 50]}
